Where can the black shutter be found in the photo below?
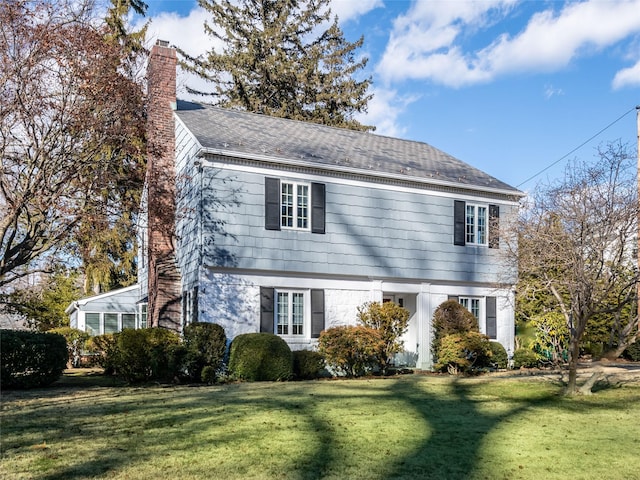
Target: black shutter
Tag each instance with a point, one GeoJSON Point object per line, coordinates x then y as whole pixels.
{"type": "Point", "coordinates": [195, 306]}
{"type": "Point", "coordinates": [272, 203]}
{"type": "Point", "coordinates": [459, 222]}
{"type": "Point", "coordinates": [491, 324]}
{"type": "Point", "coordinates": [317, 312]}
{"type": "Point", "coordinates": [317, 208]}
{"type": "Point", "coordinates": [494, 226]}
{"type": "Point", "coordinates": [266, 310]}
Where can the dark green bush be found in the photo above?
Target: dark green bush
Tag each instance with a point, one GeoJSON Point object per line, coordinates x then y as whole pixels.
{"type": "Point", "coordinates": [31, 359]}
{"type": "Point", "coordinates": [525, 358]}
{"type": "Point", "coordinates": [205, 345]}
{"type": "Point", "coordinates": [499, 355]}
{"type": "Point", "coordinates": [260, 357]}
{"type": "Point", "coordinates": [76, 340]}
{"type": "Point", "coordinates": [208, 375]}
{"type": "Point", "coordinates": [463, 352]}
{"type": "Point", "coordinates": [351, 350]}
{"type": "Point", "coordinates": [145, 354]}
{"type": "Point", "coordinates": [307, 364]}
{"type": "Point", "coordinates": [104, 350]}
{"type": "Point", "coordinates": [632, 352]}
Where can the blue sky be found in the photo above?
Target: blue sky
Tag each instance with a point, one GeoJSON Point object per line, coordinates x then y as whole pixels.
{"type": "Point", "coordinates": [509, 86]}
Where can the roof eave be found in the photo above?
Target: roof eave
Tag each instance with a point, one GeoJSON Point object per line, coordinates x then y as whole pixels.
{"type": "Point", "coordinates": [204, 151]}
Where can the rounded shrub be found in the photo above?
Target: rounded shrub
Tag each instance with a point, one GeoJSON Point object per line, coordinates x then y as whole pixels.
{"type": "Point", "coordinates": [104, 350]}
{"type": "Point", "coordinates": [499, 356]}
{"type": "Point", "coordinates": [525, 358]}
{"type": "Point", "coordinates": [205, 345]}
{"type": "Point", "coordinates": [260, 357]}
{"type": "Point", "coordinates": [351, 350]}
{"type": "Point", "coordinates": [451, 318]}
{"type": "Point", "coordinates": [463, 352]}
{"type": "Point", "coordinates": [307, 364]}
{"type": "Point", "coordinates": [31, 359]}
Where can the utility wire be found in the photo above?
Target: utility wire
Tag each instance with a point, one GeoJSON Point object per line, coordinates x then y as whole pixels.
{"type": "Point", "coordinates": [577, 148]}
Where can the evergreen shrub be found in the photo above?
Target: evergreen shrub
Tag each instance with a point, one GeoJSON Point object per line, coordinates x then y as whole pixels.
{"type": "Point", "coordinates": [632, 352]}
{"type": "Point", "coordinates": [525, 358]}
{"type": "Point", "coordinates": [463, 352]}
{"type": "Point", "coordinates": [499, 356]}
{"type": "Point", "coordinates": [205, 345]}
{"type": "Point", "coordinates": [451, 318]}
{"type": "Point", "coordinates": [76, 340]}
{"type": "Point", "coordinates": [260, 357]}
{"type": "Point", "coordinates": [351, 350]}
{"type": "Point", "coordinates": [104, 349]}
{"type": "Point", "coordinates": [31, 359]}
{"type": "Point", "coordinates": [307, 364]}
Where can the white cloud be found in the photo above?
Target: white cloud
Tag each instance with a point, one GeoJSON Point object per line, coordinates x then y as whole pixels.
{"type": "Point", "coordinates": [350, 10]}
{"type": "Point", "coordinates": [627, 77]}
{"type": "Point", "coordinates": [384, 109]}
{"type": "Point", "coordinates": [551, 91]}
{"type": "Point", "coordinates": [426, 42]}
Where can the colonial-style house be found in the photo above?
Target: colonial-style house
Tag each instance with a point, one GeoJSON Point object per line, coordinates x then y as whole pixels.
{"type": "Point", "coordinates": [264, 224]}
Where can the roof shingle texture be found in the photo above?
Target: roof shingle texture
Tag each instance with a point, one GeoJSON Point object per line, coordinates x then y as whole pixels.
{"type": "Point", "coordinates": [254, 134]}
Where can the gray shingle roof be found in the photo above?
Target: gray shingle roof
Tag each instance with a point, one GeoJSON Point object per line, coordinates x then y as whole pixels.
{"type": "Point", "coordinates": [254, 134]}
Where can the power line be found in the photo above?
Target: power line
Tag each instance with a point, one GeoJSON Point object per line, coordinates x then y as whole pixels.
{"type": "Point", "coordinates": [578, 147]}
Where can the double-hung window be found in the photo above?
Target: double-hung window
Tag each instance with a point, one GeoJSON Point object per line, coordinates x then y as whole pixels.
{"type": "Point", "coordinates": [290, 313]}
{"type": "Point", "coordinates": [471, 304]}
{"type": "Point", "coordinates": [476, 224]}
{"type": "Point", "coordinates": [294, 205]}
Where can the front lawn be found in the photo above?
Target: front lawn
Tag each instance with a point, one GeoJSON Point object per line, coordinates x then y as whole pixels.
{"type": "Point", "coordinates": [413, 427]}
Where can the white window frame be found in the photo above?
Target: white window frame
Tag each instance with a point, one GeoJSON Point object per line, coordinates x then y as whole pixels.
{"type": "Point", "coordinates": [101, 319]}
{"type": "Point", "coordinates": [476, 224]}
{"type": "Point", "coordinates": [290, 326]}
{"type": "Point", "coordinates": [295, 216]}
{"type": "Point", "coordinates": [467, 302]}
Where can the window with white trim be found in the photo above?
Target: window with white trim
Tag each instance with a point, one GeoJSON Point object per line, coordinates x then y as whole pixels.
{"type": "Point", "coordinates": [472, 304]}
{"type": "Point", "coordinates": [290, 313]}
{"type": "Point", "coordinates": [476, 224]}
{"type": "Point", "coordinates": [294, 205]}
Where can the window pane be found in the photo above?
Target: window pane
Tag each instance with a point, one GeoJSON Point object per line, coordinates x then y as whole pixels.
{"type": "Point", "coordinates": [110, 322]}
{"type": "Point", "coordinates": [298, 314]}
{"type": "Point", "coordinates": [287, 205]}
{"type": "Point", "coordinates": [92, 323]}
{"type": "Point", "coordinates": [303, 206]}
{"type": "Point", "coordinates": [482, 225]}
{"type": "Point", "coordinates": [143, 315]}
{"type": "Point", "coordinates": [475, 307]}
{"type": "Point", "coordinates": [471, 224]}
{"type": "Point", "coordinates": [283, 314]}
{"type": "Point", "coordinates": [128, 320]}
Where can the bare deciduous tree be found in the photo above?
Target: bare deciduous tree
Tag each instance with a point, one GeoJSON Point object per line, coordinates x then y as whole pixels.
{"type": "Point", "coordinates": [71, 131]}
{"type": "Point", "coordinates": [577, 240]}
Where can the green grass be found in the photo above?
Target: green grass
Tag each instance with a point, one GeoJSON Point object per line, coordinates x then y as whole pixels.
{"type": "Point", "coordinates": [413, 427]}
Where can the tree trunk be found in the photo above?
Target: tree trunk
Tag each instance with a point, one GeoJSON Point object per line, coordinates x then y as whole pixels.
{"type": "Point", "coordinates": [574, 354]}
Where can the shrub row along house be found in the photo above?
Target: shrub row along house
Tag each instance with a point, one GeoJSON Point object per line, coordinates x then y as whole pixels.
{"type": "Point", "coordinates": [273, 225]}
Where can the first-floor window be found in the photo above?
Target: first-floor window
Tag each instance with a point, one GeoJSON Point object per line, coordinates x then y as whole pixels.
{"type": "Point", "coordinates": [142, 312]}
{"type": "Point", "coordinates": [289, 313]}
{"type": "Point", "coordinates": [471, 304]}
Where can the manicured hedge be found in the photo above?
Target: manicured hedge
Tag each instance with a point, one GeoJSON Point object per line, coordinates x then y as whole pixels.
{"type": "Point", "coordinates": [205, 345]}
{"type": "Point", "coordinates": [307, 364]}
{"type": "Point", "coordinates": [499, 355]}
{"type": "Point", "coordinates": [260, 357]}
{"type": "Point", "coordinates": [31, 359]}
{"type": "Point", "coordinates": [352, 351]}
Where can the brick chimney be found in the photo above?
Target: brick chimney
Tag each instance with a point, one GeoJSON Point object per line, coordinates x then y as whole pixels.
{"type": "Point", "coordinates": [164, 278]}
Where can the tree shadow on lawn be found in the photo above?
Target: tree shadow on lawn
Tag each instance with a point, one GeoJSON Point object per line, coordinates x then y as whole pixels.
{"type": "Point", "coordinates": [453, 427]}
{"type": "Point", "coordinates": [458, 427]}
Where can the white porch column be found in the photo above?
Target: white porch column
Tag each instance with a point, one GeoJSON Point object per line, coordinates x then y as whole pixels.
{"type": "Point", "coordinates": [423, 310]}
{"type": "Point", "coordinates": [376, 291]}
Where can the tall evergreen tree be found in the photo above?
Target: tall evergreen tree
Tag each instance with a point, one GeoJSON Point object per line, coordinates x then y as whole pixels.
{"type": "Point", "coordinates": [280, 59]}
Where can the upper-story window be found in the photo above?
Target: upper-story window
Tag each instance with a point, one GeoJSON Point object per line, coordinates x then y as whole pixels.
{"type": "Point", "coordinates": [476, 224]}
{"type": "Point", "coordinates": [293, 205]}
